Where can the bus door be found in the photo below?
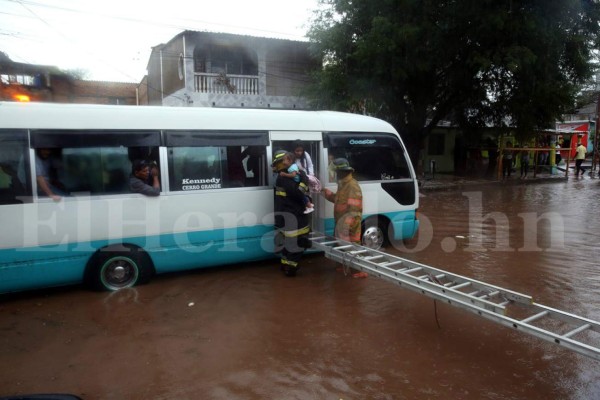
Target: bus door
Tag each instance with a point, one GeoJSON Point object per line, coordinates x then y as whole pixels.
{"type": "Point", "coordinates": [312, 144]}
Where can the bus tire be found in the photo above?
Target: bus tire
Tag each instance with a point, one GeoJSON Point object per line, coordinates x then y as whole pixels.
{"type": "Point", "coordinates": [118, 267]}
{"type": "Point", "coordinates": [375, 233]}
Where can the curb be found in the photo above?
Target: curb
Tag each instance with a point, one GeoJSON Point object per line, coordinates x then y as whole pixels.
{"type": "Point", "coordinates": [426, 186]}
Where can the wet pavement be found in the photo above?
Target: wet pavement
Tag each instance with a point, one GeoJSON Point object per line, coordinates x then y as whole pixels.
{"type": "Point", "coordinates": [247, 332]}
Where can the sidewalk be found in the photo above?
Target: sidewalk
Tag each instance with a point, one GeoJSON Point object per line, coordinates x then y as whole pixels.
{"type": "Point", "coordinates": [448, 181]}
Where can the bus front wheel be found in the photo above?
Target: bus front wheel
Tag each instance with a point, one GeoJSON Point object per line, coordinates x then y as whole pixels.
{"type": "Point", "coordinates": [119, 267]}
{"type": "Point", "coordinates": [374, 233]}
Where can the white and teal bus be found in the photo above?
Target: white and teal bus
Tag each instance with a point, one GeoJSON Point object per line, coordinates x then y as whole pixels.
{"type": "Point", "coordinates": [216, 198]}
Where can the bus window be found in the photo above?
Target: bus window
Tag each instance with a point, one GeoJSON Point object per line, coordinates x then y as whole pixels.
{"type": "Point", "coordinates": [375, 164]}
{"type": "Point", "coordinates": [14, 164]}
{"type": "Point", "coordinates": [374, 157]}
{"type": "Point", "coordinates": [97, 162]}
{"type": "Point", "coordinates": [215, 167]}
{"type": "Point", "coordinates": [96, 170]}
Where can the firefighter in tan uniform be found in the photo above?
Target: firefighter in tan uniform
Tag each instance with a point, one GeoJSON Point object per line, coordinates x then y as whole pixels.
{"type": "Point", "coordinates": [347, 206]}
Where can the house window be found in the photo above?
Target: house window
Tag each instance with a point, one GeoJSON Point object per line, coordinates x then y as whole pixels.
{"type": "Point", "coordinates": [180, 67]}
{"type": "Point", "coordinates": [225, 59]}
{"type": "Point", "coordinates": [25, 80]}
{"type": "Point", "coordinates": [117, 101]}
{"type": "Point", "coordinates": [437, 144]}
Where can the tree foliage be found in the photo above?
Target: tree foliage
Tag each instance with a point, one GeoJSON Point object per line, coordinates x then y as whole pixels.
{"type": "Point", "coordinates": [475, 62]}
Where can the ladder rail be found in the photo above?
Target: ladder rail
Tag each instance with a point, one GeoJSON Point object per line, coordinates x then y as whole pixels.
{"type": "Point", "coordinates": [368, 265]}
{"type": "Point", "coordinates": [426, 281]}
{"type": "Point", "coordinates": [568, 317]}
{"type": "Point", "coordinates": [558, 339]}
{"type": "Point", "coordinates": [459, 279]}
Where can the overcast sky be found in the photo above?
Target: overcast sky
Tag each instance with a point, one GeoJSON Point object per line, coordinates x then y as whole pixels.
{"type": "Point", "coordinates": [111, 39]}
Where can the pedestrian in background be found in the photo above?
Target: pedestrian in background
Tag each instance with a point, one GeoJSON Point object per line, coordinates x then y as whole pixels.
{"type": "Point", "coordinates": [558, 156]}
{"type": "Point", "coordinates": [524, 162]}
{"type": "Point", "coordinates": [507, 161]}
{"type": "Point", "coordinates": [579, 158]}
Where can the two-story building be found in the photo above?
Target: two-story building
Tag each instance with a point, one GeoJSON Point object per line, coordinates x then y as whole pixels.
{"type": "Point", "coordinates": [206, 69]}
{"type": "Point", "coordinates": [34, 82]}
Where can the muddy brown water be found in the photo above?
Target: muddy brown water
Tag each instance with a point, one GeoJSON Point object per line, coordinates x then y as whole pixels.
{"type": "Point", "coordinates": [253, 334]}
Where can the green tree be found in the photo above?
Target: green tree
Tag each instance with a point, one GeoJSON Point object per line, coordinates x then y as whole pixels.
{"type": "Point", "coordinates": [509, 63]}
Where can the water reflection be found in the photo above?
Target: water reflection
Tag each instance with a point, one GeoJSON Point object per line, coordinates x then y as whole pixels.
{"type": "Point", "coordinates": [538, 239]}
{"type": "Point", "coordinates": [247, 332]}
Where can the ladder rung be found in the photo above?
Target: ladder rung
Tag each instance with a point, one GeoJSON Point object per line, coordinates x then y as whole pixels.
{"type": "Point", "coordinates": [422, 277]}
{"type": "Point", "coordinates": [474, 293]}
{"type": "Point", "coordinates": [577, 330]}
{"type": "Point", "coordinates": [328, 243]}
{"type": "Point", "coordinates": [534, 317]}
{"type": "Point", "coordinates": [371, 258]}
{"type": "Point", "coordinates": [440, 276]}
{"type": "Point", "coordinates": [488, 295]}
{"type": "Point", "coordinates": [504, 303]}
{"type": "Point", "coordinates": [413, 270]}
{"type": "Point", "coordinates": [391, 264]}
{"type": "Point", "coordinates": [357, 252]}
{"type": "Point", "coordinates": [461, 285]}
{"type": "Point", "coordinates": [348, 246]}
{"type": "Point", "coordinates": [318, 237]}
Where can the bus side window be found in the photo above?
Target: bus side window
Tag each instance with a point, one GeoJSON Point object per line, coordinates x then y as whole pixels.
{"type": "Point", "coordinates": [95, 170]}
{"type": "Point", "coordinates": [214, 167]}
{"type": "Point", "coordinates": [377, 163]}
{"type": "Point", "coordinates": [254, 158]}
{"type": "Point", "coordinates": [14, 168]}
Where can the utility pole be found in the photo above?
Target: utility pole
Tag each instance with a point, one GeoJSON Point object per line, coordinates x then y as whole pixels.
{"type": "Point", "coordinates": [595, 152]}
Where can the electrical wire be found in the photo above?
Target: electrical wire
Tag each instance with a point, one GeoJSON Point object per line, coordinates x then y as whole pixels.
{"type": "Point", "coordinates": [25, 3]}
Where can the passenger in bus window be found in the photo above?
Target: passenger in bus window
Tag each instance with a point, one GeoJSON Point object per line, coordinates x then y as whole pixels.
{"type": "Point", "coordinates": [45, 170]}
{"type": "Point", "coordinates": [14, 189]}
{"type": "Point", "coordinates": [303, 160]}
{"type": "Point", "coordinates": [141, 173]}
{"type": "Point", "coordinates": [254, 154]}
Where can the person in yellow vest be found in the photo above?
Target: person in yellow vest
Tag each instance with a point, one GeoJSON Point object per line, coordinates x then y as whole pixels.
{"type": "Point", "coordinates": [579, 158]}
{"type": "Point", "coordinates": [347, 208]}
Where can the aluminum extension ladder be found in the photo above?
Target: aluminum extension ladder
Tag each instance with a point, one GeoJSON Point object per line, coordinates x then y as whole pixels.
{"type": "Point", "coordinates": [504, 306]}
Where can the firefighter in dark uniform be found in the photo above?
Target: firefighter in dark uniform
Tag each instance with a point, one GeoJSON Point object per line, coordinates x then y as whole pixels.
{"type": "Point", "coordinates": [291, 224]}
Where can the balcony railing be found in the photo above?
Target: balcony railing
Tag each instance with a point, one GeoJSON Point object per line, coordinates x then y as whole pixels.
{"type": "Point", "coordinates": [221, 83]}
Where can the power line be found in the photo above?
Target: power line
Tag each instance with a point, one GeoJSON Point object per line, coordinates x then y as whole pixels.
{"type": "Point", "coordinates": [142, 21]}
{"type": "Point", "coordinates": [34, 15]}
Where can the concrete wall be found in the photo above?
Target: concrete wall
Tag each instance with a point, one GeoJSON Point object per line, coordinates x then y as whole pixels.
{"type": "Point", "coordinates": [444, 161]}
{"type": "Point", "coordinates": [282, 72]}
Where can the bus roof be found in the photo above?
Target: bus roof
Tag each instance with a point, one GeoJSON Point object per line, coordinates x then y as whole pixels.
{"type": "Point", "coordinates": [92, 116]}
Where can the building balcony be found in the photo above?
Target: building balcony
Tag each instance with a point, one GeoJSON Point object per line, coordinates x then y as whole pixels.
{"type": "Point", "coordinates": [222, 83]}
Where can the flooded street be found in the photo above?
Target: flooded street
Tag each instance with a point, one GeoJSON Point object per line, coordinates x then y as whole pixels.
{"type": "Point", "coordinates": [247, 332]}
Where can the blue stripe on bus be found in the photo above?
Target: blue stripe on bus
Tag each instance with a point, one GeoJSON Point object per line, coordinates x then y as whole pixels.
{"type": "Point", "coordinates": [64, 264]}
{"type": "Point", "coordinates": [404, 223]}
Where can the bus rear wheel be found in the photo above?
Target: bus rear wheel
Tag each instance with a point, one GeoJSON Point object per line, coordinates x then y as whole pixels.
{"type": "Point", "coordinates": [374, 233]}
{"type": "Point", "coordinates": [112, 269]}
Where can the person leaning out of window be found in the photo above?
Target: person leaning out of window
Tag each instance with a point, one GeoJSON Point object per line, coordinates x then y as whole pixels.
{"type": "Point", "coordinates": [142, 173]}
